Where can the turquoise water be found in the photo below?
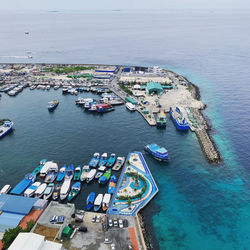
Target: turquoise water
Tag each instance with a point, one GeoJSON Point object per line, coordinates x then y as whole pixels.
{"type": "Point", "coordinates": [199, 206]}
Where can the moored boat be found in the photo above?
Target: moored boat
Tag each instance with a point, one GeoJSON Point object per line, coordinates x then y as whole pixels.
{"type": "Point", "coordinates": [85, 171]}
{"type": "Point", "coordinates": [106, 201]}
{"type": "Point", "coordinates": [5, 189]}
{"type": "Point", "coordinates": [48, 191]}
{"type": "Point", "coordinates": [98, 202]}
{"type": "Point", "coordinates": [51, 176]}
{"type": "Point", "coordinates": [66, 184]}
{"type": "Point", "coordinates": [105, 177]}
{"type": "Point", "coordinates": [77, 173]}
{"type": "Point", "coordinates": [161, 119]}
{"type": "Point", "coordinates": [119, 163]}
{"type": "Point", "coordinates": [31, 190]}
{"type": "Point", "coordinates": [103, 159]}
{"type": "Point", "coordinates": [112, 184]}
{"type": "Point", "coordinates": [75, 189]}
{"type": "Point", "coordinates": [43, 161]}
{"type": "Point", "coordinates": [61, 173]}
{"type": "Point", "coordinates": [98, 174]}
{"type": "Point", "coordinates": [159, 153]}
{"type": "Point", "coordinates": [178, 119]}
{"type": "Point", "coordinates": [91, 175]}
{"type": "Point", "coordinates": [40, 190]}
{"type": "Point", "coordinates": [111, 160]}
{"type": "Point", "coordinates": [56, 192]}
{"type": "Point", "coordinates": [52, 105]}
{"type": "Point", "coordinates": [130, 106]}
{"type": "Point", "coordinates": [37, 170]}
{"type": "Point", "coordinates": [94, 161]}
{"type": "Point", "coordinates": [5, 127]}
{"type": "Point", "coordinates": [90, 200]}
{"type": "Point", "coordinates": [28, 180]}
{"type": "Point", "coordinates": [47, 167]}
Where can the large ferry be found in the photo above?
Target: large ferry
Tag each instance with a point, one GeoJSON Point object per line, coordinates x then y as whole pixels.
{"type": "Point", "coordinates": [159, 153]}
{"type": "Point", "coordinates": [5, 127]}
{"type": "Point", "coordinates": [178, 118]}
{"type": "Point", "coordinates": [161, 119]}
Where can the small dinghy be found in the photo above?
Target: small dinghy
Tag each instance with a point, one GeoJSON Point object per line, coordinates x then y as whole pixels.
{"type": "Point", "coordinates": [56, 192]}
{"type": "Point", "coordinates": [90, 200]}
{"type": "Point", "coordinates": [48, 191]}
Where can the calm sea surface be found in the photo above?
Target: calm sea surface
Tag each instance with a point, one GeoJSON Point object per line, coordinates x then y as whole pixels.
{"type": "Point", "coordinates": [199, 206]}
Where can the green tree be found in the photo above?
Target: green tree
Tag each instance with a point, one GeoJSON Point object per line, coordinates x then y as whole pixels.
{"type": "Point", "coordinates": [10, 235]}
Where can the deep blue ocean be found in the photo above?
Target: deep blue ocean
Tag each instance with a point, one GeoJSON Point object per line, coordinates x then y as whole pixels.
{"type": "Point", "coordinates": [200, 205]}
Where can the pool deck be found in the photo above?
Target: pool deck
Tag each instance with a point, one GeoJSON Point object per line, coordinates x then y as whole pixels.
{"type": "Point", "coordinates": [134, 163]}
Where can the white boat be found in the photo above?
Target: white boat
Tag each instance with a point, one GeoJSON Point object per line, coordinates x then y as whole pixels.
{"type": "Point", "coordinates": [65, 189]}
{"type": "Point", "coordinates": [48, 191]}
{"type": "Point", "coordinates": [40, 190]}
{"type": "Point", "coordinates": [12, 93]}
{"type": "Point", "coordinates": [130, 106]}
{"type": "Point", "coordinates": [98, 202]}
{"type": "Point", "coordinates": [32, 87]}
{"type": "Point", "coordinates": [47, 167]}
{"type": "Point", "coordinates": [102, 168]}
{"type": "Point", "coordinates": [6, 127]}
{"type": "Point", "coordinates": [106, 201]}
{"type": "Point", "coordinates": [5, 189]}
{"type": "Point", "coordinates": [31, 190]}
{"type": "Point", "coordinates": [56, 87]}
{"type": "Point", "coordinates": [85, 171]}
{"type": "Point", "coordinates": [91, 175]}
{"type": "Point", "coordinates": [119, 163]}
{"type": "Point", "coordinates": [48, 87]}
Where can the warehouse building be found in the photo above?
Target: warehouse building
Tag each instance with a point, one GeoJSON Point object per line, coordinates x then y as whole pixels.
{"type": "Point", "coordinates": [154, 88]}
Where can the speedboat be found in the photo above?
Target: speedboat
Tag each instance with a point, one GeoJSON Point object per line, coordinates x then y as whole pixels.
{"type": "Point", "coordinates": [103, 159]}
{"type": "Point", "coordinates": [5, 127]}
{"type": "Point", "coordinates": [5, 189]}
{"type": "Point", "coordinates": [52, 105]}
{"type": "Point", "coordinates": [75, 189]}
{"type": "Point", "coordinates": [85, 171]}
{"type": "Point", "coordinates": [61, 173]}
{"type": "Point", "coordinates": [105, 177]}
{"type": "Point", "coordinates": [159, 153]}
{"type": "Point", "coordinates": [98, 202]}
{"type": "Point", "coordinates": [31, 190]}
{"type": "Point", "coordinates": [112, 184]}
{"type": "Point", "coordinates": [51, 176]}
{"type": "Point", "coordinates": [28, 180]}
{"type": "Point", "coordinates": [106, 201]}
{"type": "Point", "coordinates": [48, 191]}
{"type": "Point", "coordinates": [111, 160]}
{"type": "Point", "coordinates": [90, 200]}
{"type": "Point", "coordinates": [119, 163]}
{"type": "Point", "coordinates": [94, 161]}
{"type": "Point", "coordinates": [47, 167]}
{"type": "Point", "coordinates": [91, 175]}
{"type": "Point", "coordinates": [77, 173]}
{"type": "Point", "coordinates": [40, 190]}
{"type": "Point", "coordinates": [56, 192]}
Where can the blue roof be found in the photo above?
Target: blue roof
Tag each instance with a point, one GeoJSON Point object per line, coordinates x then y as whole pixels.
{"type": "Point", "coordinates": [16, 204]}
{"type": "Point", "coordinates": [9, 220]}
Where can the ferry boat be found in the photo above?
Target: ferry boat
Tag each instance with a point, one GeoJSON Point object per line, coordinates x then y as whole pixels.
{"type": "Point", "coordinates": [77, 173]}
{"type": "Point", "coordinates": [111, 160]}
{"type": "Point", "coordinates": [52, 105]}
{"type": "Point", "coordinates": [31, 190]}
{"type": "Point", "coordinates": [24, 184]}
{"type": "Point", "coordinates": [119, 163]}
{"type": "Point", "coordinates": [130, 106]}
{"type": "Point", "coordinates": [103, 159]}
{"type": "Point", "coordinates": [61, 173]}
{"type": "Point", "coordinates": [178, 118]}
{"type": "Point", "coordinates": [90, 200]}
{"type": "Point", "coordinates": [94, 161]}
{"type": "Point", "coordinates": [91, 175]}
{"type": "Point", "coordinates": [161, 119]}
{"type": "Point", "coordinates": [49, 191]}
{"type": "Point", "coordinates": [112, 184]}
{"type": "Point", "coordinates": [5, 127]}
{"type": "Point", "coordinates": [159, 153]}
{"type": "Point", "coordinates": [98, 202]}
{"type": "Point", "coordinates": [40, 190]}
{"type": "Point", "coordinates": [75, 189]}
{"type": "Point", "coordinates": [56, 192]}
{"type": "Point", "coordinates": [106, 201]}
{"type": "Point", "coordinates": [5, 190]}
{"type": "Point", "coordinates": [105, 177]}
{"type": "Point", "coordinates": [85, 171]}
{"type": "Point", "coordinates": [47, 167]}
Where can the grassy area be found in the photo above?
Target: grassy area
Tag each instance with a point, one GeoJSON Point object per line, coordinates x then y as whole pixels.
{"type": "Point", "coordinates": [67, 70]}
{"type": "Point", "coordinates": [127, 90]}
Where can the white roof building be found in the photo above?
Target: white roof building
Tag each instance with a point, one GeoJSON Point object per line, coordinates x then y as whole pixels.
{"type": "Point", "coordinates": [32, 241]}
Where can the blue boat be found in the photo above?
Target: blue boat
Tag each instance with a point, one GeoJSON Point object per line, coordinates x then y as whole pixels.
{"type": "Point", "coordinates": [159, 153]}
{"type": "Point", "coordinates": [70, 172]}
{"type": "Point", "coordinates": [112, 184]}
{"type": "Point", "coordinates": [5, 127]}
{"type": "Point", "coordinates": [111, 160]}
{"type": "Point", "coordinates": [94, 161]}
{"type": "Point", "coordinates": [90, 200]}
{"type": "Point", "coordinates": [52, 105]}
{"type": "Point", "coordinates": [105, 177]}
{"type": "Point", "coordinates": [75, 189]}
{"type": "Point", "coordinates": [103, 159]}
{"type": "Point", "coordinates": [61, 173]}
{"type": "Point", "coordinates": [178, 118]}
{"type": "Point", "coordinates": [24, 184]}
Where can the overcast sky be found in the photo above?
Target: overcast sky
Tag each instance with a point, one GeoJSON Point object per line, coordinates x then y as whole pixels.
{"type": "Point", "coordinates": [119, 4]}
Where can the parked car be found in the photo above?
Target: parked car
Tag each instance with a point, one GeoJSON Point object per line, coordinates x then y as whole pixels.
{"type": "Point", "coordinates": [93, 219]}
{"type": "Point", "coordinates": [98, 219]}
{"type": "Point", "coordinates": [107, 241]}
{"type": "Point", "coordinates": [112, 246]}
{"type": "Point", "coordinates": [82, 229]}
{"type": "Point", "coordinates": [125, 223]}
{"type": "Point", "coordinates": [120, 224]}
{"type": "Point", "coordinates": [110, 223]}
{"type": "Point", "coordinates": [116, 223]}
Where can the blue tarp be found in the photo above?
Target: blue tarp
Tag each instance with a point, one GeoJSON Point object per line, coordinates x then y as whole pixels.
{"type": "Point", "coordinates": [16, 204]}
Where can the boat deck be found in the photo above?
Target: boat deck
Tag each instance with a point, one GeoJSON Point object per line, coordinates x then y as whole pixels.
{"type": "Point", "coordinates": [127, 186]}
